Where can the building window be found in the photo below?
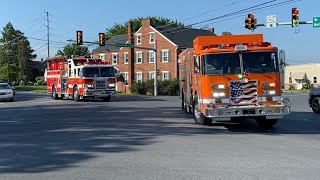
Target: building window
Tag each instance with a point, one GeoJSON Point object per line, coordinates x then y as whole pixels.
{"type": "Point", "coordinates": [290, 80]}
{"type": "Point", "coordinates": [315, 80]}
{"type": "Point", "coordinates": [139, 40]}
{"type": "Point", "coordinates": [102, 57]}
{"type": "Point", "coordinates": [165, 75]}
{"type": "Point", "coordinates": [151, 39]}
{"type": "Point", "coordinates": [114, 58]}
{"type": "Point", "coordinates": [125, 58]}
{"type": "Point", "coordinates": [139, 76]}
{"type": "Point", "coordinates": [125, 77]}
{"type": "Point", "coordinates": [139, 57]}
{"type": "Point", "coordinates": [164, 55]}
{"type": "Point", "coordinates": [151, 56]}
{"type": "Point", "coordinates": [150, 75]}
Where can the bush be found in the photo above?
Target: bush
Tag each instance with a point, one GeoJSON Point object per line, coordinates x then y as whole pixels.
{"type": "Point", "coordinates": [39, 81]}
{"type": "Point", "coordinates": [167, 87]}
{"type": "Point", "coordinates": [308, 85]}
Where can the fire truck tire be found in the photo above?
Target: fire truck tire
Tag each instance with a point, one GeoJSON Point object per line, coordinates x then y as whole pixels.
{"type": "Point", "coordinates": [199, 117]}
{"type": "Point", "coordinates": [54, 93]}
{"type": "Point", "coordinates": [266, 123]}
{"type": "Point", "coordinates": [107, 99]}
{"type": "Point", "coordinates": [76, 96]}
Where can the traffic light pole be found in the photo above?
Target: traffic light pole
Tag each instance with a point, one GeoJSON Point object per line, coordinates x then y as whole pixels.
{"type": "Point", "coordinates": [285, 23]}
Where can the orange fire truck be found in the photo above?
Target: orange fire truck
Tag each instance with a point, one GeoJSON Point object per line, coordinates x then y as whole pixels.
{"type": "Point", "coordinates": [224, 78]}
{"type": "Point", "coordinates": [80, 77]}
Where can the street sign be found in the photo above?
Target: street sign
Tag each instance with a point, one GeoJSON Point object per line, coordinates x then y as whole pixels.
{"type": "Point", "coordinates": [124, 45]}
{"type": "Point", "coordinates": [271, 21]}
{"type": "Point", "coordinates": [316, 22]}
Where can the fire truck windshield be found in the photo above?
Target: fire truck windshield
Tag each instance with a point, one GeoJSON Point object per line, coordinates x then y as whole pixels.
{"type": "Point", "coordinates": [253, 62]}
{"type": "Point", "coordinates": [219, 64]}
{"type": "Point", "coordinates": [260, 62]}
{"type": "Point", "coordinates": [97, 72]}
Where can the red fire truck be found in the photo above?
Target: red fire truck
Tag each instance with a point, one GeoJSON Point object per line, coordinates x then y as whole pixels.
{"type": "Point", "coordinates": [80, 77]}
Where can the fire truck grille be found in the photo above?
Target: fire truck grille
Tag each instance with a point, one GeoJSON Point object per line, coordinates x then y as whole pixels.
{"type": "Point", "coordinates": [100, 84]}
{"type": "Point", "coordinates": [243, 93]}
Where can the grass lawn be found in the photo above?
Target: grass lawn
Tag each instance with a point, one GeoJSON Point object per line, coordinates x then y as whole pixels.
{"type": "Point", "coordinates": [38, 89]}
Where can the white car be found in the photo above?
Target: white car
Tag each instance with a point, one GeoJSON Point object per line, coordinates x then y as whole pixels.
{"type": "Point", "coordinates": [6, 92]}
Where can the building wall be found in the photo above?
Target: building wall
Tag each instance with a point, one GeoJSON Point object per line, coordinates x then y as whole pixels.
{"type": "Point", "coordinates": [145, 67]}
{"type": "Point", "coordinates": [311, 70]}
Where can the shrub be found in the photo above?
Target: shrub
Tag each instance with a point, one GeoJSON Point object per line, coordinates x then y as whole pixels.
{"type": "Point", "coordinates": [166, 87]}
{"type": "Point", "coordinates": [308, 85]}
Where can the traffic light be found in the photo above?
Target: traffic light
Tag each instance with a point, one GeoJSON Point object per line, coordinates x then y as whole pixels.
{"type": "Point", "coordinates": [250, 22]}
{"type": "Point", "coordinates": [102, 40]}
{"type": "Point", "coordinates": [158, 73]}
{"type": "Point", "coordinates": [79, 38]}
{"type": "Point", "coordinates": [295, 17]}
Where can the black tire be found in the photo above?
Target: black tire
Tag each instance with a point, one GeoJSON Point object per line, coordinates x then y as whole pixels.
{"type": "Point", "coordinates": [107, 99]}
{"type": "Point", "coordinates": [266, 123]}
{"type": "Point", "coordinates": [315, 105]}
{"type": "Point", "coordinates": [76, 96]}
{"type": "Point", "coordinates": [54, 94]}
{"type": "Point", "coordinates": [182, 101]}
{"type": "Point", "coordinates": [199, 118]}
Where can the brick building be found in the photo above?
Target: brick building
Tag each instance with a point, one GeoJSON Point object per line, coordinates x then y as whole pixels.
{"type": "Point", "coordinates": [138, 64]}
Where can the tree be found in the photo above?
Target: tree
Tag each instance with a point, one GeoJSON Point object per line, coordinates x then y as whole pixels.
{"type": "Point", "coordinates": [225, 33]}
{"type": "Point", "coordinates": [15, 52]}
{"type": "Point", "coordinates": [73, 49]}
{"type": "Point", "coordinates": [118, 29]}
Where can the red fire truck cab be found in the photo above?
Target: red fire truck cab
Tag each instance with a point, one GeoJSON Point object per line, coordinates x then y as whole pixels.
{"type": "Point", "coordinates": [80, 77]}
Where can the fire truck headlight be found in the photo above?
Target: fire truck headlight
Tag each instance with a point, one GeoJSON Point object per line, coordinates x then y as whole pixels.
{"type": "Point", "coordinates": [269, 92]}
{"type": "Point", "coordinates": [218, 94]}
{"type": "Point", "coordinates": [89, 85]}
{"type": "Point", "coordinates": [218, 86]}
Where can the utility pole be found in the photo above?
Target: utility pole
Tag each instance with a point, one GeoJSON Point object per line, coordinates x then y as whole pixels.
{"type": "Point", "coordinates": [48, 34]}
{"type": "Point", "coordinates": [155, 69]}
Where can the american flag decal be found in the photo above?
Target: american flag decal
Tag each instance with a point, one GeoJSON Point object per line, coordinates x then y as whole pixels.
{"type": "Point", "coordinates": [244, 92]}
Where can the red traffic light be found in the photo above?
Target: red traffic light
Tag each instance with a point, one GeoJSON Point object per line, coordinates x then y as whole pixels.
{"type": "Point", "coordinates": [295, 11]}
{"type": "Point", "coordinates": [251, 16]}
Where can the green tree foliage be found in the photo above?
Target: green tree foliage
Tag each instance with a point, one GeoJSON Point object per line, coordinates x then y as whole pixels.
{"type": "Point", "coordinates": [225, 33]}
{"type": "Point", "coordinates": [118, 29]}
{"type": "Point", "coordinates": [73, 49]}
{"type": "Point", "coordinates": [15, 50]}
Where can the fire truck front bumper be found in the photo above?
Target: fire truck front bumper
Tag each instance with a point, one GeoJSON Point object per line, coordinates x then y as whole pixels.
{"type": "Point", "coordinates": [226, 113]}
{"type": "Point", "coordinates": [100, 94]}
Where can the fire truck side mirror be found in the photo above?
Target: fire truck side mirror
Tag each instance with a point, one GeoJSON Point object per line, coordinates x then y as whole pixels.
{"type": "Point", "coordinates": [196, 64]}
{"type": "Point", "coordinates": [282, 59]}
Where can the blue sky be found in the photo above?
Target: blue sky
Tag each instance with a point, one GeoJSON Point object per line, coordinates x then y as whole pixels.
{"type": "Point", "coordinates": [93, 17]}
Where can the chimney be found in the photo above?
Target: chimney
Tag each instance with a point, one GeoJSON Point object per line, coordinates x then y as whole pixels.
{"type": "Point", "coordinates": [211, 30]}
{"type": "Point", "coordinates": [146, 22]}
{"type": "Point", "coordinates": [130, 56]}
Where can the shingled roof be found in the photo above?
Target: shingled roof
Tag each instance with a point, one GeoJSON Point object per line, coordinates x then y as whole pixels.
{"type": "Point", "coordinates": [114, 39]}
{"type": "Point", "coordinates": [183, 36]}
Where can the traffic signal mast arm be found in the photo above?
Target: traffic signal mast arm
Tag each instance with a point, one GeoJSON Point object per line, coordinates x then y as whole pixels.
{"type": "Point", "coordinates": [285, 23]}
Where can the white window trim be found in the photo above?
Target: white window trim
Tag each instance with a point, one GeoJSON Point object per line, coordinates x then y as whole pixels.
{"type": "Point", "coordinates": [116, 58]}
{"type": "Point", "coordinates": [150, 72]}
{"type": "Point", "coordinates": [162, 75]}
{"type": "Point", "coordinates": [164, 50]}
{"type": "Point", "coordinates": [150, 37]}
{"type": "Point", "coordinates": [104, 57]}
{"type": "Point", "coordinates": [137, 76]}
{"type": "Point", "coordinates": [149, 56]}
{"type": "Point", "coordinates": [136, 60]}
{"type": "Point", "coordinates": [124, 77]}
{"type": "Point", "coordinates": [124, 58]}
{"type": "Point", "coordinates": [139, 35]}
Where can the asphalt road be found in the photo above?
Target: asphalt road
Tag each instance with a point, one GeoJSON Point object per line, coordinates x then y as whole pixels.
{"type": "Point", "coordinates": [149, 138]}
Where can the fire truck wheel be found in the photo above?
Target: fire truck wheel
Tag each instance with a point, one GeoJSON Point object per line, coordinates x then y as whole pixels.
{"type": "Point", "coordinates": [54, 93]}
{"type": "Point", "coordinates": [266, 123]}
{"type": "Point", "coordinates": [76, 96]}
{"type": "Point", "coordinates": [198, 116]}
{"type": "Point", "coordinates": [183, 104]}
{"type": "Point", "coordinates": [106, 99]}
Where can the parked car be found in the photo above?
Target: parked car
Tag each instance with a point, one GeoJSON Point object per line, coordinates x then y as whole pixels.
{"type": "Point", "coordinates": [6, 92]}
{"type": "Point", "coordinates": [11, 85]}
{"type": "Point", "coordinates": [314, 100]}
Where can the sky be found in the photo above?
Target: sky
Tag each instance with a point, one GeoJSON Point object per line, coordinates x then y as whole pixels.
{"type": "Point", "coordinates": [92, 17]}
